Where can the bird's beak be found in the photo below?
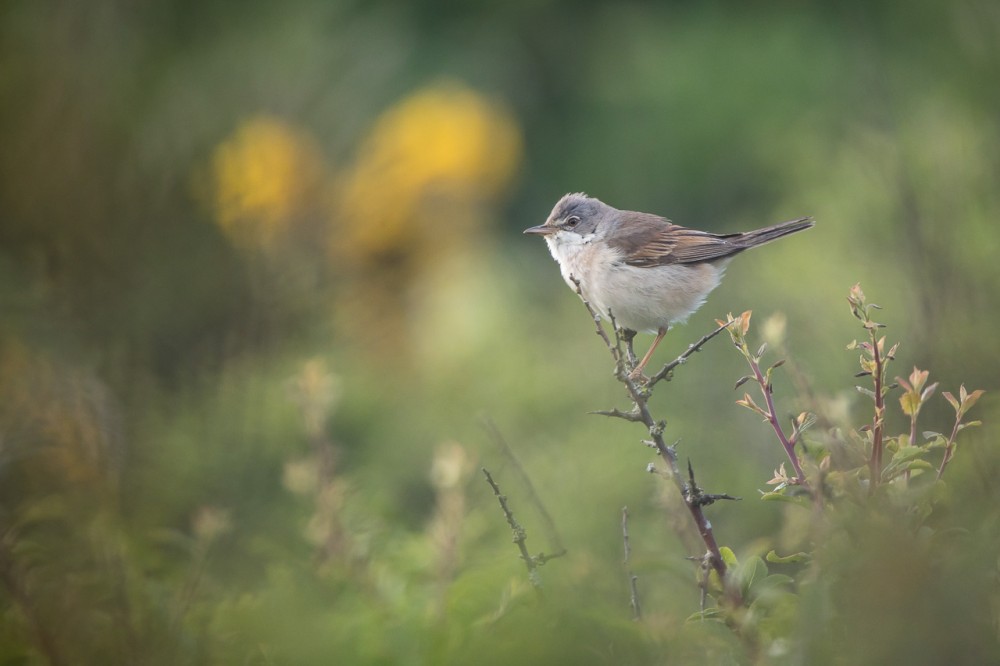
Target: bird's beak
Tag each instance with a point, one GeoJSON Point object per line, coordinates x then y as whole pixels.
{"type": "Point", "coordinates": [541, 230]}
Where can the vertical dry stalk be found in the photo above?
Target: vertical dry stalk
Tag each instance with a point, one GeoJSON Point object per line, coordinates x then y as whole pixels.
{"type": "Point", "coordinates": [632, 578]}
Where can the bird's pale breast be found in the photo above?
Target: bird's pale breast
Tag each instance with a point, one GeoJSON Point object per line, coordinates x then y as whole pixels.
{"type": "Point", "coordinates": [640, 298]}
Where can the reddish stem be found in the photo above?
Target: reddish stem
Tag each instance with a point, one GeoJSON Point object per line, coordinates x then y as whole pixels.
{"type": "Point", "coordinates": [876, 459]}
{"type": "Point", "coordinates": [669, 457]}
{"type": "Point", "coordinates": [789, 447]}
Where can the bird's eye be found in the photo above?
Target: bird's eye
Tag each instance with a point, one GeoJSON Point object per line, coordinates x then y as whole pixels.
{"type": "Point", "coordinates": [572, 221]}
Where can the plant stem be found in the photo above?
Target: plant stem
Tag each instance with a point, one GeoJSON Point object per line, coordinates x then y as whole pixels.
{"type": "Point", "coordinates": [632, 578]}
{"type": "Point", "coordinates": [772, 418]}
{"type": "Point", "coordinates": [877, 425]}
{"type": "Point", "coordinates": [642, 414]}
{"type": "Point", "coordinates": [666, 370]}
{"type": "Point", "coordinates": [669, 456]}
{"type": "Point", "coordinates": [949, 448]}
{"type": "Point", "coordinates": [520, 535]}
{"type": "Point", "coordinates": [552, 534]}
{"type": "Point", "coordinates": [913, 441]}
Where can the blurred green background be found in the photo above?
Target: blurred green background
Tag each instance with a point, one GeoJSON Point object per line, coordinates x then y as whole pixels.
{"type": "Point", "coordinates": [262, 277]}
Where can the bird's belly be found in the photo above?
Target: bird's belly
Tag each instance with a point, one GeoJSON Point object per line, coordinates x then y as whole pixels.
{"type": "Point", "coordinates": [647, 299]}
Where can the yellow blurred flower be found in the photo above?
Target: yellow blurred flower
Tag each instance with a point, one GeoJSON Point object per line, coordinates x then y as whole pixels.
{"type": "Point", "coordinates": [263, 177]}
{"type": "Point", "coordinates": [443, 146]}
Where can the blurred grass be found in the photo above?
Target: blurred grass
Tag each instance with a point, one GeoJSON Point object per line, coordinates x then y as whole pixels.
{"type": "Point", "coordinates": [198, 201]}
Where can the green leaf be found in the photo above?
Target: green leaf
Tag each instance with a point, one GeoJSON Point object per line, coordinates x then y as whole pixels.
{"type": "Point", "coordinates": [910, 402]}
{"type": "Point", "coordinates": [788, 559]}
{"type": "Point", "coordinates": [728, 556]}
{"type": "Point", "coordinates": [715, 614]}
{"type": "Point", "coordinates": [951, 399]}
{"type": "Point", "coordinates": [781, 497]}
{"type": "Point", "coordinates": [935, 440]}
{"type": "Point", "coordinates": [752, 571]}
{"type": "Point", "coordinates": [867, 392]}
{"type": "Point", "coordinates": [765, 592]}
{"type": "Point", "coordinates": [918, 378]}
{"type": "Point", "coordinates": [772, 581]}
{"type": "Point", "coordinates": [906, 453]}
{"type": "Point", "coordinates": [749, 403]}
{"type": "Point", "coordinates": [968, 400]}
{"type": "Point", "coordinates": [898, 467]}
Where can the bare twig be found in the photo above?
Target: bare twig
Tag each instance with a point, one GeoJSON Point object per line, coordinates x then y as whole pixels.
{"type": "Point", "coordinates": [552, 534]}
{"type": "Point", "coordinates": [704, 568]}
{"type": "Point", "coordinates": [629, 337]}
{"type": "Point", "coordinates": [631, 415]}
{"type": "Point", "coordinates": [693, 494]}
{"type": "Point", "coordinates": [666, 372]}
{"type": "Point", "coordinates": [632, 578]}
{"type": "Point", "coordinates": [532, 562]}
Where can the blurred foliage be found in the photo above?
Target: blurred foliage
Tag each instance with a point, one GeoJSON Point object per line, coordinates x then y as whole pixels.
{"type": "Point", "coordinates": [261, 269]}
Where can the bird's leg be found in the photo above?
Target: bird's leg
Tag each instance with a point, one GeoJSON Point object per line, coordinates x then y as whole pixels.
{"type": "Point", "coordinates": [637, 372]}
{"type": "Point", "coordinates": [628, 335]}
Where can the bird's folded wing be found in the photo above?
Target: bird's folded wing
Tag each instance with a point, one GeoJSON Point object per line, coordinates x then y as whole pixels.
{"type": "Point", "coordinates": [647, 240]}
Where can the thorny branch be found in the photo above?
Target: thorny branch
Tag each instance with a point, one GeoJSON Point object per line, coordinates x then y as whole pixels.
{"type": "Point", "coordinates": [693, 494]}
{"type": "Point", "coordinates": [666, 372]}
{"type": "Point", "coordinates": [532, 562]}
{"type": "Point", "coordinates": [639, 393]}
{"type": "Point", "coordinates": [550, 526]}
{"type": "Point", "coordinates": [631, 415]}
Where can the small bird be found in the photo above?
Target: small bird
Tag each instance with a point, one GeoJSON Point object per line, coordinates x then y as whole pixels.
{"type": "Point", "coordinates": [641, 269]}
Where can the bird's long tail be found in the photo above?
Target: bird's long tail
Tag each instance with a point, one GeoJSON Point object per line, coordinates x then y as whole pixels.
{"type": "Point", "coordinates": [767, 234]}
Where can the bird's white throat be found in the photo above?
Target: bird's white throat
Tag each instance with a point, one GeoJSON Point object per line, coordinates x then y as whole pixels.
{"type": "Point", "coordinates": [566, 247]}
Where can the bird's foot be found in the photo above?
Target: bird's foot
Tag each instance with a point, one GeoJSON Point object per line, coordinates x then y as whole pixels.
{"type": "Point", "coordinates": [638, 377]}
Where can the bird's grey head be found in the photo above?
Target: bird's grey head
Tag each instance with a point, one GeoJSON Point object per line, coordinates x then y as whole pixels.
{"type": "Point", "coordinates": [576, 214]}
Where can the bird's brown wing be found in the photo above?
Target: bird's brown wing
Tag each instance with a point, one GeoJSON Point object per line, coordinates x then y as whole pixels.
{"type": "Point", "coordinates": [648, 240]}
